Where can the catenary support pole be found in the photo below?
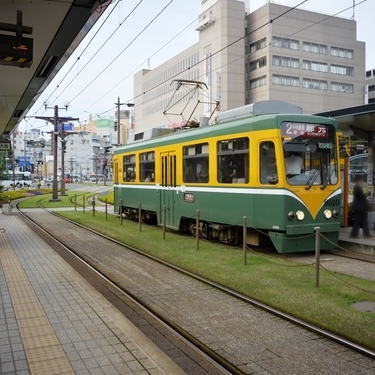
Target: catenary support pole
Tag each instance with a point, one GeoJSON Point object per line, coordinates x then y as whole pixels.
{"type": "Point", "coordinates": [106, 209]}
{"type": "Point", "coordinates": [93, 206]}
{"type": "Point", "coordinates": [84, 203]}
{"type": "Point", "coordinates": [244, 235]}
{"type": "Point", "coordinates": [164, 220]}
{"type": "Point", "coordinates": [197, 230]}
{"type": "Point", "coordinates": [120, 209]}
{"type": "Point", "coordinates": [140, 216]}
{"type": "Point", "coordinates": [75, 202]}
{"type": "Point", "coordinates": [317, 255]}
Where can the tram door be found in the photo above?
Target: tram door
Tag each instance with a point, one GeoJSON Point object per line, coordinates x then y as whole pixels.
{"type": "Point", "coordinates": [168, 186]}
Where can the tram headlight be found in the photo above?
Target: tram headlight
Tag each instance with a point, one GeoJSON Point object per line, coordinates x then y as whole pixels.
{"type": "Point", "coordinates": [335, 213]}
{"type": "Point", "coordinates": [327, 214]}
{"type": "Point", "coordinates": [300, 215]}
{"type": "Point", "coordinates": [291, 215]}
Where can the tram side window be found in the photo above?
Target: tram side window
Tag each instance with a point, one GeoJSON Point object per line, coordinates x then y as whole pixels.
{"type": "Point", "coordinates": [233, 161]}
{"type": "Point", "coordinates": [196, 160]}
{"type": "Point", "coordinates": [147, 165]}
{"type": "Point", "coordinates": [129, 168]}
{"type": "Point", "coordinates": [268, 166]}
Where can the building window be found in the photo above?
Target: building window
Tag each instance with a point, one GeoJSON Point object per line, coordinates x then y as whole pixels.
{"type": "Point", "coordinates": [259, 44]}
{"type": "Point", "coordinates": [233, 161]}
{"type": "Point", "coordinates": [257, 82]}
{"type": "Point", "coordinates": [285, 80]}
{"type": "Point", "coordinates": [315, 66]}
{"type": "Point", "coordinates": [342, 52]}
{"type": "Point", "coordinates": [371, 100]}
{"type": "Point", "coordinates": [285, 43]}
{"type": "Point", "coordinates": [196, 163]}
{"type": "Point", "coordinates": [287, 62]}
{"type": "Point", "coordinates": [343, 70]}
{"type": "Point", "coordinates": [342, 87]}
{"type": "Point", "coordinates": [371, 88]}
{"type": "Point", "coordinates": [129, 168]}
{"type": "Point", "coordinates": [147, 166]}
{"type": "Point", "coordinates": [259, 63]}
{"type": "Point", "coordinates": [314, 84]}
{"type": "Point", "coordinates": [315, 48]}
{"type": "Point", "coordinates": [368, 74]}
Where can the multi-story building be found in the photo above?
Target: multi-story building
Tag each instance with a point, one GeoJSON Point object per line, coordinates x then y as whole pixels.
{"type": "Point", "coordinates": [29, 148]}
{"type": "Point", "coordinates": [370, 86]}
{"type": "Point", "coordinates": [303, 57]}
{"type": "Point", "coordinates": [84, 148]}
{"type": "Point", "coordinates": [214, 61]}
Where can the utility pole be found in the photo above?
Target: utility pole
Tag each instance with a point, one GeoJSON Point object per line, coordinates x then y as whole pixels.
{"type": "Point", "coordinates": [64, 134]}
{"type": "Point", "coordinates": [118, 104]}
{"type": "Point", "coordinates": [55, 121]}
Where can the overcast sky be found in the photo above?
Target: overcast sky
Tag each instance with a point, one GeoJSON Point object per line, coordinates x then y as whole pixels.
{"type": "Point", "coordinates": [117, 80]}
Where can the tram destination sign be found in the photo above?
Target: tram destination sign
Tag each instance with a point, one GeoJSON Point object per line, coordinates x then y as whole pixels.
{"type": "Point", "coordinates": [299, 129]}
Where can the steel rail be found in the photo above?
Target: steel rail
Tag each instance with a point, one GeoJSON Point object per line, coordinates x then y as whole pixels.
{"type": "Point", "coordinates": [216, 360]}
{"type": "Point", "coordinates": [312, 328]}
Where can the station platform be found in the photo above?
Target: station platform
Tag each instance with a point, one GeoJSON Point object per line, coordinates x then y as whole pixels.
{"type": "Point", "coordinates": [52, 321]}
{"type": "Point", "coordinates": [361, 245]}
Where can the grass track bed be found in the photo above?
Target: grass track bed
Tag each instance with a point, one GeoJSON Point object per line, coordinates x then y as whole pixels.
{"type": "Point", "coordinates": [282, 284]}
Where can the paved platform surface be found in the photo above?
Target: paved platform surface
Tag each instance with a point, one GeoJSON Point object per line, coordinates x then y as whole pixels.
{"type": "Point", "coordinates": [255, 341]}
{"type": "Point", "coordinates": [53, 322]}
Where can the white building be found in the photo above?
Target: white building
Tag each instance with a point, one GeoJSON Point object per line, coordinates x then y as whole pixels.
{"type": "Point", "coordinates": [302, 57]}
{"type": "Point", "coordinates": [370, 86]}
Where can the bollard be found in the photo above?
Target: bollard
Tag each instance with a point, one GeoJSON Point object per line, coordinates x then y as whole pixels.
{"type": "Point", "coordinates": [317, 255]}
{"type": "Point", "coordinates": [197, 230]}
{"type": "Point", "coordinates": [244, 235]}
{"type": "Point", "coordinates": [75, 202]}
{"type": "Point", "coordinates": [93, 206]}
{"type": "Point", "coordinates": [120, 209]}
{"type": "Point", "coordinates": [164, 220]}
{"type": "Point", "coordinates": [140, 216]}
{"type": "Point", "coordinates": [106, 209]}
{"type": "Point", "coordinates": [83, 204]}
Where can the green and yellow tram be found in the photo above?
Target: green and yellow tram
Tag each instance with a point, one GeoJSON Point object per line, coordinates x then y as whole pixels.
{"type": "Point", "coordinates": [280, 171]}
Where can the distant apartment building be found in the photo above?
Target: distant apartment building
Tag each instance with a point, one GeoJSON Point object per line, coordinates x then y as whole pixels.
{"type": "Point", "coordinates": [370, 86]}
{"type": "Point", "coordinates": [309, 59]}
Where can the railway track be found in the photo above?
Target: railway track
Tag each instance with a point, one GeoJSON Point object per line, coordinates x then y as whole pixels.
{"type": "Point", "coordinates": [223, 364]}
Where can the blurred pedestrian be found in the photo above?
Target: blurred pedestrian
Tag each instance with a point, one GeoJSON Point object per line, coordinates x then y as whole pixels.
{"type": "Point", "coordinates": [360, 208]}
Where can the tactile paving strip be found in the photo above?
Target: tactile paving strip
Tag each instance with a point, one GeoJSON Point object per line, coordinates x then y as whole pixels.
{"type": "Point", "coordinates": [44, 352]}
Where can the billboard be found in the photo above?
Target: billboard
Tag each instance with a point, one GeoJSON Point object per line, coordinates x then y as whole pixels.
{"type": "Point", "coordinates": [104, 123]}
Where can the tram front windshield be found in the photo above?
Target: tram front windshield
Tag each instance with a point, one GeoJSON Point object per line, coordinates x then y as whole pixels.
{"type": "Point", "coordinates": [310, 155]}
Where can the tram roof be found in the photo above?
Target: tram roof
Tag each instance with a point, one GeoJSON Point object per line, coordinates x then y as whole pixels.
{"type": "Point", "coordinates": [359, 120]}
{"type": "Point", "coordinates": [57, 29]}
{"type": "Point", "coordinates": [225, 128]}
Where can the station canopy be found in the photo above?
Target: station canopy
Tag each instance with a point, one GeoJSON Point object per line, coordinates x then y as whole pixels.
{"type": "Point", "coordinates": [359, 120]}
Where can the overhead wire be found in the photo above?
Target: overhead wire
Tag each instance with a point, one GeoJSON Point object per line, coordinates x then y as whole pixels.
{"type": "Point", "coordinates": [215, 53]}
{"type": "Point", "coordinates": [79, 57]}
{"type": "Point", "coordinates": [246, 35]}
{"type": "Point", "coordinates": [220, 50]}
{"type": "Point", "coordinates": [100, 48]}
{"type": "Point", "coordinates": [129, 44]}
{"type": "Point", "coordinates": [287, 36]}
{"type": "Point", "coordinates": [139, 66]}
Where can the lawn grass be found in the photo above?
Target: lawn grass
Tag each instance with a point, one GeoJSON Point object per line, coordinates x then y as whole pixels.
{"type": "Point", "coordinates": [277, 282]}
{"type": "Point", "coordinates": [64, 201]}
